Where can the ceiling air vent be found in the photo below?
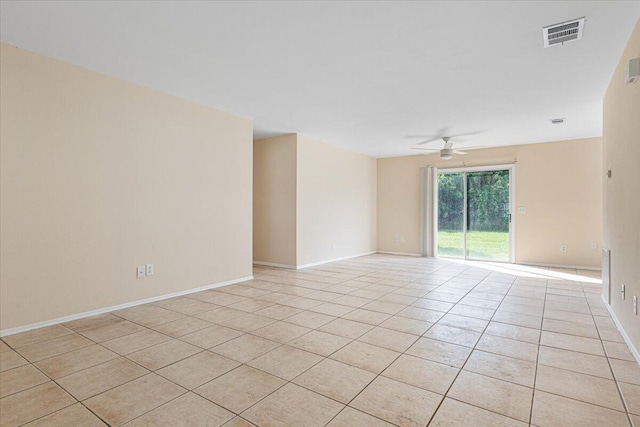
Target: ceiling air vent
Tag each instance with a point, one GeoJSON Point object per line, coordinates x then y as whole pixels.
{"type": "Point", "coordinates": [562, 33]}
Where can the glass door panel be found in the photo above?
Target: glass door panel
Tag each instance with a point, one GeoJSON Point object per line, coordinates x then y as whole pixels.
{"type": "Point", "coordinates": [451, 215]}
{"type": "Point", "coordinates": [487, 227]}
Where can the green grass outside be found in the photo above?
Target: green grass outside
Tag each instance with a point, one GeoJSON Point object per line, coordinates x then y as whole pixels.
{"type": "Point", "coordinates": [493, 245]}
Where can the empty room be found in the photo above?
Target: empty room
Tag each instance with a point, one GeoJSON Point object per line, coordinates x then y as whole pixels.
{"type": "Point", "coordinates": [320, 213]}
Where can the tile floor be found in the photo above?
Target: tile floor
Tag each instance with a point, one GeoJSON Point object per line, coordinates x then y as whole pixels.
{"type": "Point", "coordinates": [373, 341]}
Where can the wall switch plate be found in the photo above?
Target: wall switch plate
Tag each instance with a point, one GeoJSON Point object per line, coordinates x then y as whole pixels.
{"type": "Point", "coordinates": [593, 246]}
{"type": "Point", "coordinates": [522, 210]}
{"type": "Point", "coordinates": [635, 305]}
{"type": "Point", "coordinates": [622, 291]}
{"type": "Point", "coordinates": [399, 239]}
{"type": "Point", "coordinates": [563, 248]}
{"type": "Point", "coordinates": [140, 272]}
{"type": "Point", "coordinates": [149, 269]}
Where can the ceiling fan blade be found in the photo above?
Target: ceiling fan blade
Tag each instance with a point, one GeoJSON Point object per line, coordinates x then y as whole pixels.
{"type": "Point", "coordinates": [425, 149]}
{"type": "Point", "coordinates": [473, 147]}
{"type": "Point", "coordinates": [477, 132]}
{"type": "Point", "coordinates": [429, 140]}
{"type": "Point", "coordinates": [459, 152]}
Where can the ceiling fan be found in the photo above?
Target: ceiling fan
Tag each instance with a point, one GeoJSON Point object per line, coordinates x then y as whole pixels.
{"type": "Point", "coordinates": [447, 151]}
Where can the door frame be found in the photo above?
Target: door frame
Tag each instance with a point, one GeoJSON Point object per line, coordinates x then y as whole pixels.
{"type": "Point", "coordinates": [511, 167]}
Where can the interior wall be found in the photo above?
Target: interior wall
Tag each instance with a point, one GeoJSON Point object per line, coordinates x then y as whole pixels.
{"type": "Point", "coordinates": [336, 202]}
{"type": "Point", "coordinates": [559, 183]}
{"type": "Point", "coordinates": [274, 200]}
{"type": "Point", "coordinates": [100, 176]}
{"type": "Point", "coordinates": [621, 136]}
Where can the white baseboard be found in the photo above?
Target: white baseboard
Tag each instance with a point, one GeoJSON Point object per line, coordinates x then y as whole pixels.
{"type": "Point", "coordinates": [398, 253]}
{"type": "Point", "coordinates": [17, 330]}
{"type": "Point", "coordinates": [634, 350]}
{"type": "Point", "coordinates": [576, 267]}
{"type": "Point", "coordinates": [313, 264]}
{"type": "Point", "coordinates": [274, 264]}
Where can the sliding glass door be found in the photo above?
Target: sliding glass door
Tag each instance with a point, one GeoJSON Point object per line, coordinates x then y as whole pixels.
{"type": "Point", "coordinates": [474, 214]}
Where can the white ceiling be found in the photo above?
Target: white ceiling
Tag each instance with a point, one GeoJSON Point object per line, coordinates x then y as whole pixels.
{"type": "Point", "coordinates": [362, 75]}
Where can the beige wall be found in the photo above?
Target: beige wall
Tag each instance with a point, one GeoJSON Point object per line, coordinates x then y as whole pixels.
{"type": "Point", "coordinates": [336, 202]}
{"type": "Point", "coordinates": [274, 200]}
{"type": "Point", "coordinates": [622, 191]}
{"type": "Point", "coordinates": [559, 183]}
{"type": "Point", "coordinates": [99, 176]}
{"type": "Point", "coordinates": [314, 202]}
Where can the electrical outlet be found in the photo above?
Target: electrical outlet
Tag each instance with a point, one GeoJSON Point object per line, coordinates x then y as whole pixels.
{"type": "Point", "coordinates": [594, 246]}
{"type": "Point", "coordinates": [140, 272]}
{"type": "Point", "coordinates": [635, 305]}
{"type": "Point", "coordinates": [563, 248]}
{"type": "Point", "coordinates": [622, 291]}
{"type": "Point", "coordinates": [399, 239]}
{"type": "Point", "coordinates": [149, 269]}
{"type": "Point", "coordinates": [522, 210]}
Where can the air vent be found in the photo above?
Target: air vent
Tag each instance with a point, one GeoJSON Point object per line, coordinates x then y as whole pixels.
{"type": "Point", "coordinates": [562, 33]}
{"type": "Point", "coordinates": [557, 121]}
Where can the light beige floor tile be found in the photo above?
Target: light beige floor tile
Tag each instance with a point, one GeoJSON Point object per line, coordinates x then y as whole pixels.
{"type": "Point", "coordinates": [309, 319]}
{"type": "Point", "coordinates": [161, 355]}
{"type": "Point", "coordinates": [453, 335]}
{"type": "Point", "coordinates": [365, 356]}
{"type": "Point", "coordinates": [422, 373]}
{"type": "Point", "coordinates": [508, 347]}
{"type": "Point", "coordinates": [499, 396]}
{"type": "Point", "coordinates": [36, 336]}
{"type": "Point", "coordinates": [245, 348]}
{"type": "Point", "coordinates": [220, 314]}
{"type": "Point", "coordinates": [386, 338]}
{"type": "Point", "coordinates": [336, 380]}
{"type": "Point", "coordinates": [463, 322]}
{"type": "Point", "coordinates": [68, 363]}
{"type": "Point", "coordinates": [148, 315]}
{"type": "Point", "coordinates": [45, 349]}
{"type": "Point", "coordinates": [128, 401]}
{"type": "Point", "coordinates": [398, 299]}
{"type": "Point", "coordinates": [550, 410]}
{"type": "Point", "coordinates": [332, 309]}
{"type": "Point", "coordinates": [423, 314]}
{"type": "Point", "coordinates": [285, 362]}
{"type": "Point", "coordinates": [10, 359]}
{"type": "Point", "coordinates": [281, 332]}
{"type": "Point", "coordinates": [187, 410]}
{"type": "Point", "coordinates": [74, 415]}
{"type": "Point", "coordinates": [635, 420]}
{"type": "Point", "coordinates": [502, 367]}
{"type": "Point", "coordinates": [433, 305]}
{"type": "Point", "coordinates": [92, 322]}
{"type": "Point", "coordinates": [182, 327]}
{"type": "Point", "coordinates": [575, 361]}
{"type": "Point", "coordinates": [570, 328]}
{"type": "Point", "coordinates": [346, 328]}
{"type": "Point", "coordinates": [618, 350]}
{"type": "Point", "coordinates": [111, 330]}
{"type": "Point", "coordinates": [321, 343]}
{"type": "Point", "coordinates": [238, 422]}
{"type": "Point", "coordinates": [453, 413]}
{"type": "Point", "coordinates": [135, 342]}
{"type": "Point", "coordinates": [290, 404]}
{"type": "Point", "coordinates": [477, 312]}
{"type": "Point", "coordinates": [196, 370]}
{"type": "Point", "coordinates": [278, 312]}
{"type": "Point", "coordinates": [397, 403]}
{"type": "Point", "coordinates": [350, 417]}
{"type": "Point", "coordinates": [241, 388]}
{"type": "Point", "coordinates": [518, 319]}
{"type": "Point", "coordinates": [631, 396]}
{"type": "Point", "coordinates": [217, 297]}
{"type": "Point", "coordinates": [31, 404]}
{"type": "Point", "coordinates": [574, 385]}
{"type": "Point", "coordinates": [251, 305]}
{"type": "Point", "coordinates": [211, 336]}
{"type": "Point", "coordinates": [97, 379]}
{"type": "Point", "coordinates": [569, 316]}
{"type": "Point", "coordinates": [610, 334]}
{"type": "Point", "coordinates": [367, 316]}
{"type": "Point", "coordinates": [185, 305]}
{"type": "Point", "coordinates": [626, 371]}
{"type": "Point", "coordinates": [18, 379]}
{"type": "Point", "coordinates": [384, 307]}
{"type": "Point", "coordinates": [514, 332]}
{"type": "Point", "coordinates": [571, 342]}
{"type": "Point", "coordinates": [406, 325]}
{"type": "Point", "coordinates": [440, 351]}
